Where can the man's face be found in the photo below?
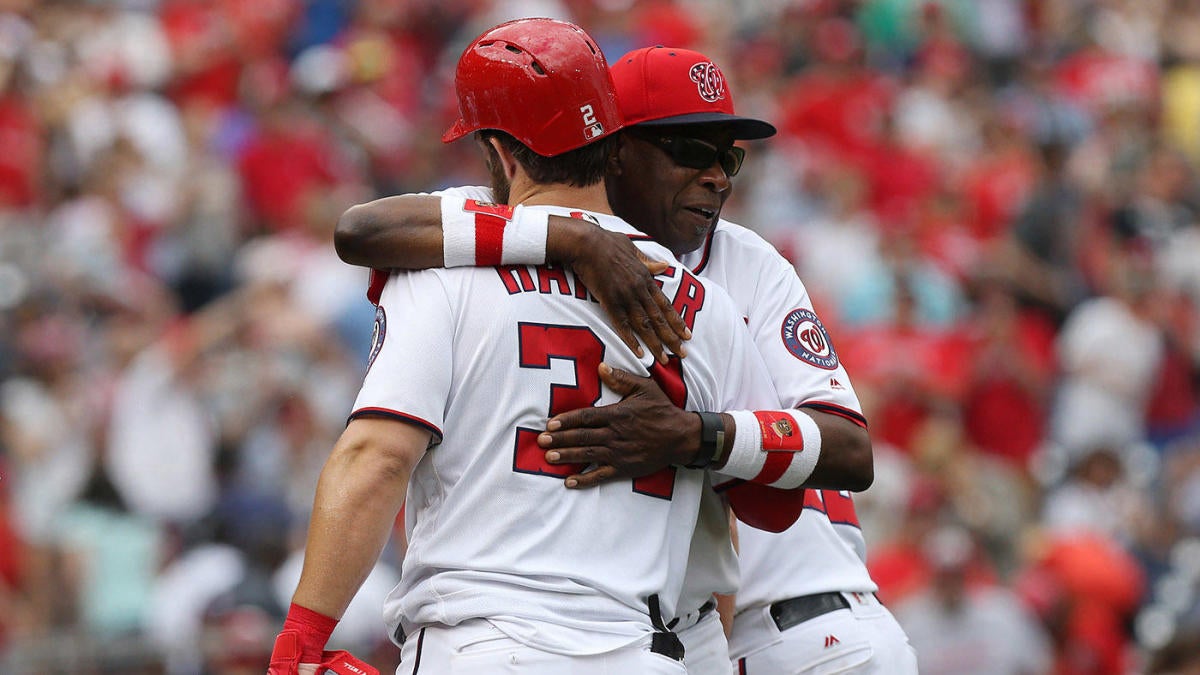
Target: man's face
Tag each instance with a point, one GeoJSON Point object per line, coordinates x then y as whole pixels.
{"type": "Point", "coordinates": [669, 181]}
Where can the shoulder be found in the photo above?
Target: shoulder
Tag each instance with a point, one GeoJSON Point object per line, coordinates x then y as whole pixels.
{"type": "Point", "coordinates": [733, 250]}
{"type": "Point", "coordinates": [733, 235]}
{"type": "Point", "coordinates": [615, 224]}
{"type": "Point", "coordinates": [731, 243]}
{"type": "Point", "coordinates": [475, 192]}
{"type": "Point", "coordinates": [388, 285]}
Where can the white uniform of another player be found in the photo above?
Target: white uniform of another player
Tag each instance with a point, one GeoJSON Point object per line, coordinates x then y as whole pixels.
{"type": "Point", "coordinates": [816, 567]}
{"type": "Point", "coordinates": [527, 573]}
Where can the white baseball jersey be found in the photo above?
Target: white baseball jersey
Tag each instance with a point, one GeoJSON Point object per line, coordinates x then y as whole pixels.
{"type": "Point", "coordinates": [825, 549]}
{"type": "Point", "coordinates": [482, 357]}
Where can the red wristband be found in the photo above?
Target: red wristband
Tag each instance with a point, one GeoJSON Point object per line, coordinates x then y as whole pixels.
{"type": "Point", "coordinates": [313, 628]}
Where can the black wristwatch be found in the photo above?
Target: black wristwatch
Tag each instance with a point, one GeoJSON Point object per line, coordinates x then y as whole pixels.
{"type": "Point", "coordinates": [712, 440]}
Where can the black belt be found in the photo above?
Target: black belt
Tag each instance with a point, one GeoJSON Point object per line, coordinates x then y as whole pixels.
{"type": "Point", "coordinates": [703, 612]}
{"type": "Point", "coordinates": [663, 641]}
{"type": "Point", "coordinates": [667, 644]}
{"type": "Point", "coordinates": [795, 611]}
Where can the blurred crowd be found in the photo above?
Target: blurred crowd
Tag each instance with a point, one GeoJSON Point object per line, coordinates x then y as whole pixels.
{"type": "Point", "coordinates": [993, 203]}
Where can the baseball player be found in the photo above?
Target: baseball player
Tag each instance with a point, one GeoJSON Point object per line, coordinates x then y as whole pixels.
{"type": "Point", "coordinates": [806, 601]}
{"type": "Point", "coordinates": [505, 571]}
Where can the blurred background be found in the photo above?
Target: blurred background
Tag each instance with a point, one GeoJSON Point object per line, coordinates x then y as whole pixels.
{"type": "Point", "coordinates": [992, 202]}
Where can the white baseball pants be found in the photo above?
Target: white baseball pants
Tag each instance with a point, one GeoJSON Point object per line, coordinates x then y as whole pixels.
{"type": "Point", "coordinates": [476, 647]}
{"type": "Point", "coordinates": [864, 639]}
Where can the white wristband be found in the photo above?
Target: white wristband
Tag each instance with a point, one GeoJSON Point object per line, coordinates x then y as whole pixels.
{"type": "Point", "coordinates": [525, 237]}
{"type": "Point", "coordinates": [458, 233]}
{"type": "Point", "coordinates": [779, 448]}
{"type": "Point", "coordinates": [805, 461]}
{"type": "Point", "coordinates": [746, 458]}
{"type": "Point", "coordinates": [480, 234]}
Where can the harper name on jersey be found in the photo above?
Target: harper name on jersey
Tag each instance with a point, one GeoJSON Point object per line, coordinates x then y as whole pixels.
{"type": "Point", "coordinates": [543, 279]}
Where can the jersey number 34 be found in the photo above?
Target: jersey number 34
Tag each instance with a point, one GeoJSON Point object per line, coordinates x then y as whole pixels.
{"type": "Point", "coordinates": [578, 344]}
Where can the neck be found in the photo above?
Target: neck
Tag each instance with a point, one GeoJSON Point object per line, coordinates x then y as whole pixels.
{"type": "Point", "coordinates": [591, 198]}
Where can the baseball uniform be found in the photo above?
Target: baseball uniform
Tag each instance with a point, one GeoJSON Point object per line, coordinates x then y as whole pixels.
{"type": "Point", "coordinates": [806, 371]}
{"type": "Point", "coordinates": [820, 559]}
{"type": "Point", "coordinates": [482, 357]}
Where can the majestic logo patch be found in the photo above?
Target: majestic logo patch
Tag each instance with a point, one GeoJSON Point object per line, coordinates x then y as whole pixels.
{"type": "Point", "coordinates": [709, 80]}
{"type": "Point", "coordinates": [378, 333]}
{"type": "Point", "coordinates": [805, 337]}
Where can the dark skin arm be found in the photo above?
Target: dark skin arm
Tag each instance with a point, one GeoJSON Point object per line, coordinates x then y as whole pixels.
{"type": "Point", "coordinates": [405, 232]}
{"type": "Point", "coordinates": [644, 432]}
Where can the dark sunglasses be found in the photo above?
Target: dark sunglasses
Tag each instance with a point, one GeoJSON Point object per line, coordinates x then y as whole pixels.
{"type": "Point", "coordinates": [694, 153]}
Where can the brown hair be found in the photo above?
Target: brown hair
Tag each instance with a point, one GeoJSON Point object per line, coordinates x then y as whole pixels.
{"type": "Point", "coordinates": [580, 167]}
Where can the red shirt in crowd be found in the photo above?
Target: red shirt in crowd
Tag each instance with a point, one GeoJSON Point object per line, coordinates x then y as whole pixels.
{"type": "Point", "coordinates": [21, 161]}
{"type": "Point", "coordinates": [1012, 366]}
{"type": "Point", "coordinates": [843, 111]}
{"type": "Point", "coordinates": [280, 169]}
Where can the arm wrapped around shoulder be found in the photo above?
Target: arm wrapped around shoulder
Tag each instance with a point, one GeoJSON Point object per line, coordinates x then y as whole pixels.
{"type": "Point", "coordinates": [779, 448]}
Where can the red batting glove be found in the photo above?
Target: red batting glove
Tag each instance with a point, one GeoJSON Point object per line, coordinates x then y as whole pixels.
{"type": "Point", "coordinates": [302, 640]}
{"type": "Point", "coordinates": [285, 659]}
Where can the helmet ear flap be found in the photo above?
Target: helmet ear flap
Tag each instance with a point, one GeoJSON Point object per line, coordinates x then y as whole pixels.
{"type": "Point", "coordinates": [544, 82]}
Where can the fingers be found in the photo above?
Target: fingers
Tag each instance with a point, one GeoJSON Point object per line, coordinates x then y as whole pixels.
{"type": "Point", "coordinates": [654, 266]}
{"type": "Point", "coordinates": [645, 325]}
{"type": "Point", "coordinates": [637, 309]}
{"type": "Point", "coordinates": [587, 456]}
{"type": "Point", "coordinates": [669, 325]}
{"type": "Point", "coordinates": [621, 381]}
{"type": "Point", "coordinates": [578, 444]}
{"type": "Point", "coordinates": [658, 324]}
{"type": "Point", "coordinates": [597, 476]}
{"type": "Point", "coordinates": [574, 419]}
{"type": "Point", "coordinates": [625, 332]}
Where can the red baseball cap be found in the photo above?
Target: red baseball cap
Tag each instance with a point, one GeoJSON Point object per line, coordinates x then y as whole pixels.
{"type": "Point", "coordinates": [660, 86]}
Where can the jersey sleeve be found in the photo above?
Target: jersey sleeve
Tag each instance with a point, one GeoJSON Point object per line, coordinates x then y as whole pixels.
{"type": "Point", "coordinates": [796, 346]}
{"type": "Point", "coordinates": [410, 366]}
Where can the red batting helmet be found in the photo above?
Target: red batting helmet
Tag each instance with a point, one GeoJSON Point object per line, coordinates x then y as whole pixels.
{"type": "Point", "coordinates": [545, 82]}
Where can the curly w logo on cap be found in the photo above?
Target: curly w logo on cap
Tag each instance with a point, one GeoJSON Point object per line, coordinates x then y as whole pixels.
{"type": "Point", "coordinates": [657, 86]}
{"type": "Point", "coordinates": [709, 80]}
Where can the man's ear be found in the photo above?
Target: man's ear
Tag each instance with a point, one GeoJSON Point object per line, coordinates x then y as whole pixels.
{"type": "Point", "coordinates": [616, 158]}
{"type": "Point", "coordinates": [507, 161]}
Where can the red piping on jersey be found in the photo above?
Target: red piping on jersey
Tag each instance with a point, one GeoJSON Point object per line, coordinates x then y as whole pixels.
{"type": "Point", "coordinates": [707, 251]}
{"type": "Point", "coordinates": [840, 411]}
{"type": "Point", "coordinates": [399, 416]}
